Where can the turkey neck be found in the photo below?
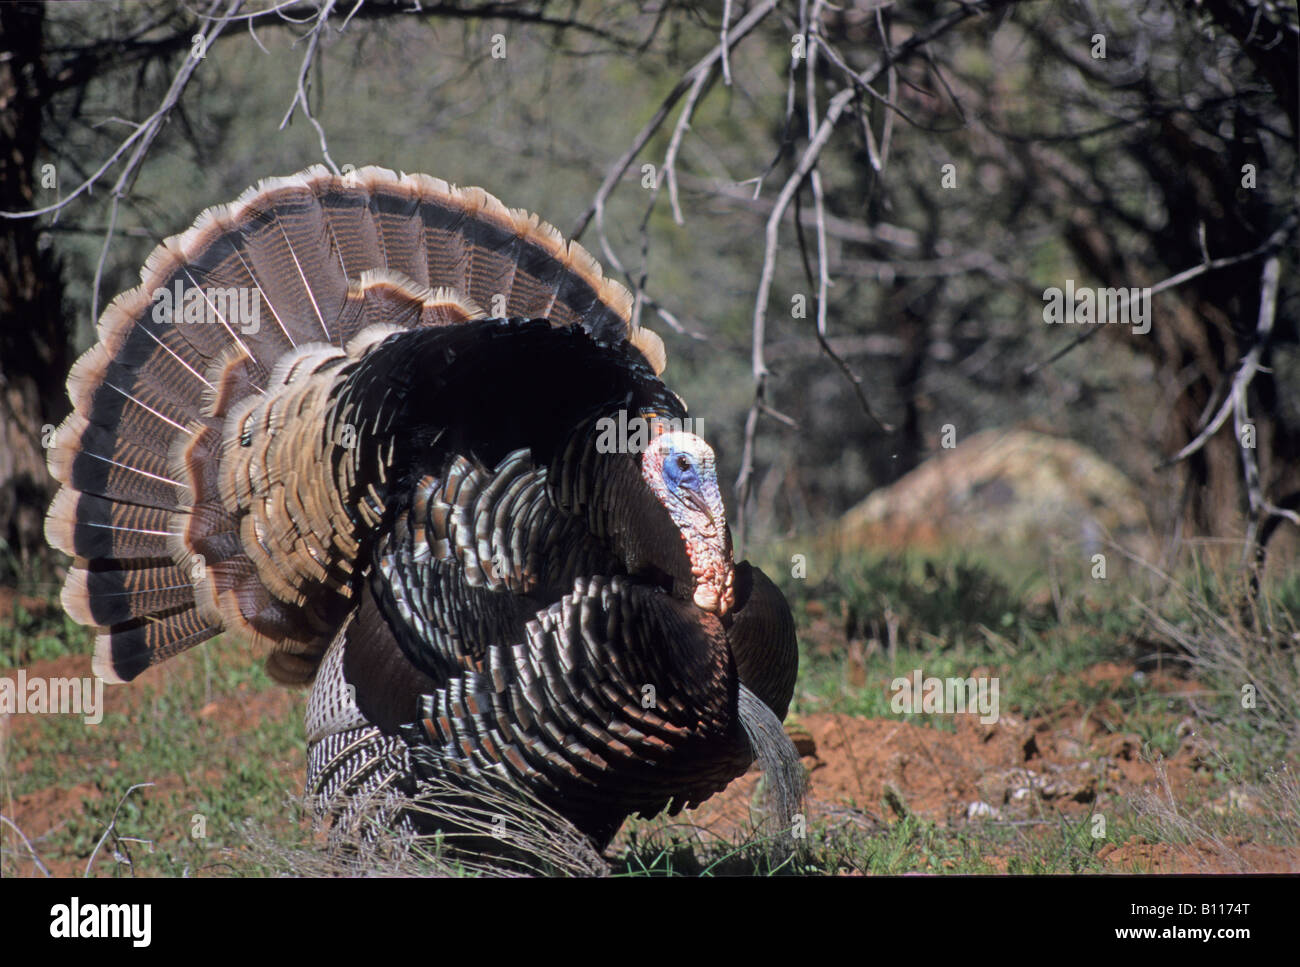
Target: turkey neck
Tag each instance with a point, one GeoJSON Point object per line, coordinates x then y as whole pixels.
{"type": "Point", "coordinates": [608, 491]}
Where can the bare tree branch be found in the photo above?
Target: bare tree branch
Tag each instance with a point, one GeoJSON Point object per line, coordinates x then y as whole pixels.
{"type": "Point", "coordinates": [669, 172]}
{"type": "Point", "coordinates": [817, 141]}
{"type": "Point", "coordinates": [881, 233]}
{"type": "Point", "coordinates": [298, 12]}
{"type": "Point", "coordinates": [149, 131]}
{"type": "Point", "coordinates": [1237, 405]}
{"type": "Point", "coordinates": [725, 44]}
{"type": "Point", "coordinates": [145, 131]}
{"type": "Point", "coordinates": [1271, 244]}
{"type": "Point", "coordinates": [300, 97]}
{"type": "Point", "coordinates": [746, 24]}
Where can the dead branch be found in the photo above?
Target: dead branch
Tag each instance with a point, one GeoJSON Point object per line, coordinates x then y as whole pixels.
{"type": "Point", "coordinates": [145, 131]}
{"type": "Point", "coordinates": [817, 141]}
{"type": "Point", "coordinates": [300, 95]}
{"type": "Point", "coordinates": [615, 175]}
{"type": "Point", "coordinates": [45, 870]}
{"type": "Point", "coordinates": [112, 825]}
{"type": "Point", "coordinates": [1272, 244]}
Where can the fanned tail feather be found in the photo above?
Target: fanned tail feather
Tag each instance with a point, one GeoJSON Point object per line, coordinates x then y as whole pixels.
{"type": "Point", "coordinates": [198, 368]}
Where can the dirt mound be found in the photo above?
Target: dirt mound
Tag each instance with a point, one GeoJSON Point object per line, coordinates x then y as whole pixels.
{"type": "Point", "coordinates": [871, 773]}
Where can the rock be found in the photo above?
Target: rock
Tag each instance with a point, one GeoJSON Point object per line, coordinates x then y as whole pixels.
{"type": "Point", "coordinates": [1014, 488]}
{"type": "Point", "coordinates": [981, 810]}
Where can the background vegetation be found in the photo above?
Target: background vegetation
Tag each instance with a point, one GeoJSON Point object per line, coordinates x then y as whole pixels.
{"type": "Point", "coordinates": [1112, 144]}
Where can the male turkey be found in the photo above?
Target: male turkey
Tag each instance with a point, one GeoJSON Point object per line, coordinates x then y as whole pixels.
{"type": "Point", "coordinates": [363, 421]}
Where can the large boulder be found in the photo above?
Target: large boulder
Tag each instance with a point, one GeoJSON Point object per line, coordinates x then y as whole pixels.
{"type": "Point", "coordinates": [1014, 488]}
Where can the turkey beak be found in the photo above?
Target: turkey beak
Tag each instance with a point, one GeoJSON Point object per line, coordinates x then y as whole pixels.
{"type": "Point", "coordinates": [697, 502]}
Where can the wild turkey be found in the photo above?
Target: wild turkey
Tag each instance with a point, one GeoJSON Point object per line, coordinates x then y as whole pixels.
{"type": "Point", "coordinates": [358, 420]}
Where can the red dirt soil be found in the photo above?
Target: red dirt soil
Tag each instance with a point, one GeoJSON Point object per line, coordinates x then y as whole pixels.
{"type": "Point", "coordinates": [868, 772]}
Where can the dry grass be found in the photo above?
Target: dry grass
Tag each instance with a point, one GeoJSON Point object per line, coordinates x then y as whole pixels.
{"type": "Point", "coordinates": [1244, 646]}
{"type": "Point", "coordinates": [477, 828]}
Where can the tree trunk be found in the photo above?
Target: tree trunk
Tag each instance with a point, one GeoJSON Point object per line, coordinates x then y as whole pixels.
{"type": "Point", "coordinates": [34, 350]}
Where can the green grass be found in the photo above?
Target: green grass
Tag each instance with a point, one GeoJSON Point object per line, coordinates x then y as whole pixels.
{"type": "Point", "coordinates": [908, 845]}
{"type": "Point", "coordinates": [27, 638]}
{"type": "Point", "coordinates": [207, 779]}
{"type": "Point", "coordinates": [951, 616]}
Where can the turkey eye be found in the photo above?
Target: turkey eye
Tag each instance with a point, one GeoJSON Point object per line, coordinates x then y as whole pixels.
{"type": "Point", "coordinates": [683, 462]}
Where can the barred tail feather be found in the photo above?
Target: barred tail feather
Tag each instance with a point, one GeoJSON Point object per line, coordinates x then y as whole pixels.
{"type": "Point", "coordinates": [231, 320]}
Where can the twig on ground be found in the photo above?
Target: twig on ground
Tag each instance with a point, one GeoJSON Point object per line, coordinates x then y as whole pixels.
{"type": "Point", "coordinates": [112, 824]}
{"type": "Point", "coordinates": [26, 842]}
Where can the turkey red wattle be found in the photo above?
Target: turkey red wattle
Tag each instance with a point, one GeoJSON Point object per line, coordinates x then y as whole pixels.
{"type": "Point", "coordinates": [680, 468]}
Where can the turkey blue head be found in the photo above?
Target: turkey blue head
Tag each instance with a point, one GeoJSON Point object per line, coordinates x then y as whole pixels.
{"type": "Point", "coordinates": [680, 469]}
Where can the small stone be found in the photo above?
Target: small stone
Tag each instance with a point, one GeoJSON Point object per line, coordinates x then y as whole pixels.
{"type": "Point", "coordinates": [981, 810]}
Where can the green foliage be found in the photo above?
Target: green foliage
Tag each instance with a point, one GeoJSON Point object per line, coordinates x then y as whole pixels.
{"type": "Point", "coordinates": [950, 619]}
{"type": "Point", "coordinates": [929, 602]}
{"type": "Point", "coordinates": [40, 635]}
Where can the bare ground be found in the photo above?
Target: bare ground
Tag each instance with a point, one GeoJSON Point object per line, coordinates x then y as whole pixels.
{"type": "Point", "coordinates": [864, 773]}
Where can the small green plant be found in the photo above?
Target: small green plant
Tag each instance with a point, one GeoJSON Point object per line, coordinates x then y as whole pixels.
{"type": "Point", "coordinates": [40, 635]}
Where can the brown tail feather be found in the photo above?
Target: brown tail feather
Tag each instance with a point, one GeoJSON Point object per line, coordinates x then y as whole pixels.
{"type": "Point", "coordinates": [92, 527]}
{"type": "Point", "coordinates": [124, 651]}
{"type": "Point", "coordinates": [177, 532]}
{"type": "Point", "coordinates": [117, 595]}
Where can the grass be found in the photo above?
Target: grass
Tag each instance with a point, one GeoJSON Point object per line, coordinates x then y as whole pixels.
{"type": "Point", "coordinates": [206, 778]}
{"type": "Point", "coordinates": [875, 618]}
{"type": "Point", "coordinates": [224, 791]}
{"type": "Point", "coordinates": [29, 637]}
{"type": "Point", "coordinates": [908, 845]}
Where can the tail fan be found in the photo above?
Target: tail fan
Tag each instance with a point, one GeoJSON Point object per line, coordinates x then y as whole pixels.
{"type": "Point", "coordinates": [209, 383]}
